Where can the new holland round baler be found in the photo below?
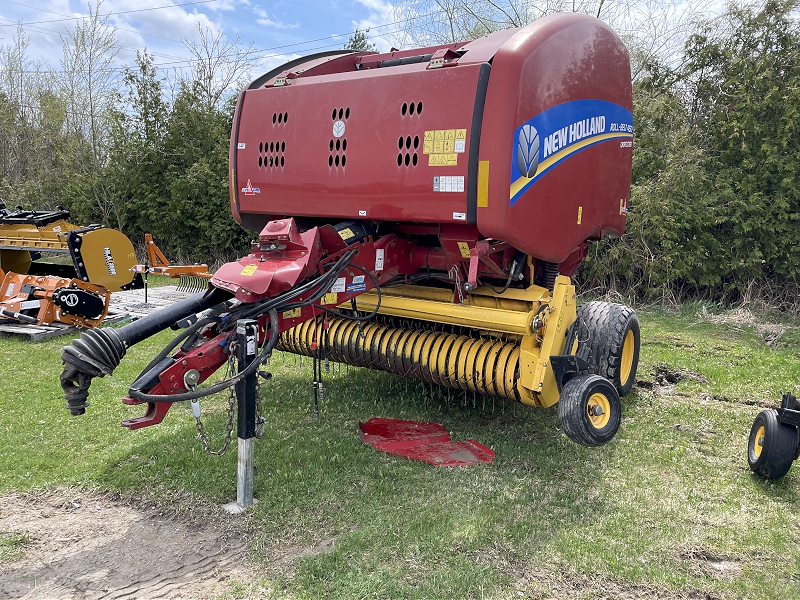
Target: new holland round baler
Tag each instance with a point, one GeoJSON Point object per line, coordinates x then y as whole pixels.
{"type": "Point", "coordinates": [420, 212]}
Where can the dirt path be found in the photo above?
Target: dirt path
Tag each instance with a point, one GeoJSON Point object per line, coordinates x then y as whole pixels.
{"type": "Point", "coordinates": [88, 546]}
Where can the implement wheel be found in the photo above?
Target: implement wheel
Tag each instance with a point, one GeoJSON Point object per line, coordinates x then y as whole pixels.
{"type": "Point", "coordinates": [772, 445]}
{"type": "Point", "coordinates": [590, 410]}
{"type": "Point", "coordinates": [612, 334]}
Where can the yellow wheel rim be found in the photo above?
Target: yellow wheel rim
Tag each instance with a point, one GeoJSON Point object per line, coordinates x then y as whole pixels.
{"type": "Point", "coordinates": [758, 443]}
{"type": "Point", "coordinates": [599, 410]}
{"type": "Point", "coordinates": [626, 364]}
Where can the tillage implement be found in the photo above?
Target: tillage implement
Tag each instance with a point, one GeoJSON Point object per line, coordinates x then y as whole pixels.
{"type": "Point", "coordinates": [419, 212]}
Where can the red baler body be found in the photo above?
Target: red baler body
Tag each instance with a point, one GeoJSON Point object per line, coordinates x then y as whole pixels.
{"type": "Point", "coordinates": [334, 138]}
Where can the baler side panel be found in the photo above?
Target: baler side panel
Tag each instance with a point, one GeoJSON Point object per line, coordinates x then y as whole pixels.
{"type": "Point", "coordinates": [288, 168]}
{"type": "Point", "coordinates": [562, 70]}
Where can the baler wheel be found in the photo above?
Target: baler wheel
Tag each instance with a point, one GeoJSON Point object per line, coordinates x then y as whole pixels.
{"type": "Point", "coordinates": [590, 410]}
{"type": "Point", "coordinates": [612, 333]}
{"type": "Point", "coordinates": [772, 445]}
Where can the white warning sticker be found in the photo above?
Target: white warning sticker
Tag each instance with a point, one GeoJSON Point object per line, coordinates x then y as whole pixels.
{"type": "Point", "coordinates": [460, 216]}
{"type": "Point", "coordinates": [339, 285]}
{"type": "Point", "coordinates": [448, 183]}
{"type": "Point", "coordinates": [379, 258]}
{"type": "Point", "coordinates": [251, 345]}
{"type": "Point", "coordinates": [241, 146]}
{"type": "Point", "coordinates": [27, 304]}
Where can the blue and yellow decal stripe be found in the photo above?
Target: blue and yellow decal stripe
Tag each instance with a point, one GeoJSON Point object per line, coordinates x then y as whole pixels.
{"type": "Point", "coordinates": [521, 184]}
{"type": "Point", "coordinates": [560, 132]}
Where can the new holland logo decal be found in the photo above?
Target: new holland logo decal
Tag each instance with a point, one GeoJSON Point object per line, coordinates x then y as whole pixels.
{"type": "Point", "coordinates": [560, 132]}
{"type": "Point", "coordinates": [528, 150]}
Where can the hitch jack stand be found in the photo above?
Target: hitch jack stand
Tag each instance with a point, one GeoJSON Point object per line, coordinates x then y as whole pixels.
{"type": "Point", "coordinates": [246, 350]}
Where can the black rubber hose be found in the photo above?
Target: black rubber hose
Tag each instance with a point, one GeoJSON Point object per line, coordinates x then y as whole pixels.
{"type": "Point", "coordinates": [97, 352]}
{"type": "Point", "coordinates": [192, 329]}
{"type": "Point", "coordinates": [355, 316]}
{"type": "Point", "coordinates": [151, 324]}
{"type": "Point", "coordinates": [323, 282]}
{"type": "Point", "coordinates": [222, 385]}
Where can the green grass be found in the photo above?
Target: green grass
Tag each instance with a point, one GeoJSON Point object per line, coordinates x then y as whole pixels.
{"type": "Point", "coordinates": [668, 506]}
{"type": "Point", "coordinates": [11, 546]}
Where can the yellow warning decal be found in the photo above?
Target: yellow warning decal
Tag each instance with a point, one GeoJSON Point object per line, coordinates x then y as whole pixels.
{"type": "Point", "coordinates": [580, 214]}
{"type": "Point", "coordinates": [332, 298]}
{"type": "Point", "coordinates": [442, 160]}
{"type": "Point", "coordinates": [346, 234]}
{"type": "Point", "coordinates": [290, 314]}
{"type": "Point", "coordinates": [463, 247]}
{"type": "Point", "coordinates": [443, 146]}
{"type": "Point", "coordinates": [249, 270]}
{"type": "Point", "coordinates": [436, 141]}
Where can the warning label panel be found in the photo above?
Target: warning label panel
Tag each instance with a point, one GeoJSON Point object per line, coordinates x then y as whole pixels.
{"type": "Point", "coordinates": [443, 146]}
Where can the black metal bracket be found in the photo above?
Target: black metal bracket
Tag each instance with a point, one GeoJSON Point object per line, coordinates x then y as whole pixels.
{"type": "Point", "coordinates": [567, 366]}
{"type": "Point", "coordinates": [789, 412]}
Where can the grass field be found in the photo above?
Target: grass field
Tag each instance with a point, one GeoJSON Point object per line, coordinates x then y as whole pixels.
{"type": "Point", "coordinates": [667, 509]}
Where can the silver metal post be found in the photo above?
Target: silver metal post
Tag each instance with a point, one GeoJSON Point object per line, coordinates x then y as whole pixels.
{"type": "Point", "coordinates": [247, 347]}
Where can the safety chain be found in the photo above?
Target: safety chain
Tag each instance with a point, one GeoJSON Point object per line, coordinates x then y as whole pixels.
{"type": "Point", "coordinates": [261, 422]}
{"type": "Point", "coordinates": [453, 274]}
{"type": "Point", "coordinates": [231, 411]}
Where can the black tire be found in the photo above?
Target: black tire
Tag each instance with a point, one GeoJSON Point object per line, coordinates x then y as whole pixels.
{"type": "Point", "coordinates": [612, 333]}
{"type": "Point", "coordinates": [577, 409]}
{"type": "Point", "coordinates": [772, 445]}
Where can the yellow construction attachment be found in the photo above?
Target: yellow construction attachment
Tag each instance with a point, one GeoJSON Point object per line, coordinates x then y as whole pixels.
{"type": "Point", "coordinates": [99, 255]}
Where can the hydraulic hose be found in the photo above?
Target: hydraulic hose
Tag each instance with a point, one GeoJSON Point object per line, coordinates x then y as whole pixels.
{"type": "Point", "coordinates": [97, 352]}
{"type": "Point", "coordinates": [222, 385]}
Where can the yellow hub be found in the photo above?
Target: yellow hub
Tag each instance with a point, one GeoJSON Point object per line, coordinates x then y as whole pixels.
{"type": "Point", "coordinates": [626, 364]}
{"type": "Point", "coordinates": [758, 444]}
{"type": "Point", "coordinates": [599, 410]}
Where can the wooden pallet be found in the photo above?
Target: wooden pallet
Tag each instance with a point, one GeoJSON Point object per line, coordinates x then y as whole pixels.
{"type": "Point", "coordinates": [123, 307]}
{"type": "Point", "coordinates": [132, 301]}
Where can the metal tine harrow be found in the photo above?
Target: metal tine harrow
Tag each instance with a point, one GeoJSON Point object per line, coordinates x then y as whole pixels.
{"type": "Point", "coordinates": [192, 283]}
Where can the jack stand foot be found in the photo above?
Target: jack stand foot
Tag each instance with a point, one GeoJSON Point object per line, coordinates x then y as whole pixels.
{"type": "Point", "coordinates": [235, 509]}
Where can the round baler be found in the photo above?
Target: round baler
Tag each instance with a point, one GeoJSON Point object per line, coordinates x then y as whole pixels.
{"type": "Point", "coordinates": [421, 212]}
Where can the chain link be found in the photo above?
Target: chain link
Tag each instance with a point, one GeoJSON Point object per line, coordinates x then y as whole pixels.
{"type": "Point", "coordinates": [231, 409]}
{"type": "Point", "coordinates": [261, 422]}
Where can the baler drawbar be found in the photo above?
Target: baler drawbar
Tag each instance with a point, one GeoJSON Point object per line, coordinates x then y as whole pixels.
{"type": "Point", "coordinates": [419, 212]}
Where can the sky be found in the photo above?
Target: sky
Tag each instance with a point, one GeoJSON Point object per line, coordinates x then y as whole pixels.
{"type": "Point", "coordinates": [279, 29]}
